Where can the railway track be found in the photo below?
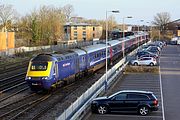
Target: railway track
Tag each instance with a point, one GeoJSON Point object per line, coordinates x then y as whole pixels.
{"type": "Point", "coordinates": [13, 94]}
{"type": "Point", "coordinates": [12, 110]}
{"type": "Point", "coordinates": [34, 105]}
{"type": "Point", "coordinates": [12, 72]}
{"type": "Point", "coordinates": [13, 66]}
{"type": "Point", "coordinates": [12, 82]}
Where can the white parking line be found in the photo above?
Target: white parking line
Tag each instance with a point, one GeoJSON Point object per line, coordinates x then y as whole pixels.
{"type": "Point", "coordinates": [132, 116]}
{"type": "Point", "coordinates": [162, 100]}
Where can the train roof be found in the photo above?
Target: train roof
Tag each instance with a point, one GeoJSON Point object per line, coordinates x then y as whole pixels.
{"type": "Point", "coordinates": [63, 52]}
{"type": "Point", "coordinates": [93, 48]}
{"type": "Point", "coordinates": [114, 42]}
{"type": "Point", "coordinates": [79, 51]}
{"type": "Point", "coordinates": [131, 37]}
{"type": "Point", "coordinates": [56, 55]}
{"type": "Point", "coordinates": [43, 57]}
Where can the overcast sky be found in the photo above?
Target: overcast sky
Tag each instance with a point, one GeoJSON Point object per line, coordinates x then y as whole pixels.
{"type": "Point", "coordinates": [96, 9]}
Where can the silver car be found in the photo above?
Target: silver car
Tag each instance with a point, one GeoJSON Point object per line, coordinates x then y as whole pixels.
{"type": "Point", "coordinates": [145, 61]}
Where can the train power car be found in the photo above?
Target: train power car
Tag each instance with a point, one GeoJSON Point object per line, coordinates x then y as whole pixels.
{"type": "Point", "coordinates": [47, 70]}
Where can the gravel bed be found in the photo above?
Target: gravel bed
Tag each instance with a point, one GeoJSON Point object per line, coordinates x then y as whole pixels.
{"type": "Point", "coordinates": [15, 97]}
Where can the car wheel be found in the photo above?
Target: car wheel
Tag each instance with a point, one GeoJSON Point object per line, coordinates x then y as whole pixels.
{"type": "Point", "coordinates": [136, 64]}
{"type": "Point", "coordinates": [102, 109]}
{"type": "Point", "coordinates": [151, 64]}
{"type": "Point", "coordinates": [143, 110]}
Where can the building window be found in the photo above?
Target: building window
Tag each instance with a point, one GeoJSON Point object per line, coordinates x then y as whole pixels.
{"type": "Point", "coordinates": [84, 28]}
{"type": "Point", "coordinates": [93, 28]}
{"type": "Point", "coordinates": [84, 38]}
{"type": "Point", "coordinates": [65, 30]}
{"type": "Point", "coordinates": [84, 33]}
{"type": "Point", "coordinates": [75, 38]}
{"type": "Point", "coordinates": [75, 33]}
{"type": "Point", "coordinates": [75, 27]}
{"type": "Point", "coordinates": [93, 35]}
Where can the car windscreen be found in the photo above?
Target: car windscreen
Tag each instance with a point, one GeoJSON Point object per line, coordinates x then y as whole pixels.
{"type": "Point", "coordinates": [39, 66]}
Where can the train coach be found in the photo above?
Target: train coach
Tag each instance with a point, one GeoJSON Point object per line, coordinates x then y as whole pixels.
{"type": "Point", "coordinates": [47, 71]}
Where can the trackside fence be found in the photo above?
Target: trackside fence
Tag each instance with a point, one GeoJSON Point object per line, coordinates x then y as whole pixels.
{"type": "Point", "coordinates": [76, 108]}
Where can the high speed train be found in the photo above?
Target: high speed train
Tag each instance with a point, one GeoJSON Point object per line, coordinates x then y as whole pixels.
{"type": "Point", "coordinates": [47, 71]}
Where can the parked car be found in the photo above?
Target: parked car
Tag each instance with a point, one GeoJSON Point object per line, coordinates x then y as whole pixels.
{"type": "Point", "coordinates": [144, 61]}
{"type": "Point", "coordinates": [128, 100]}
{"type": "Point", "coordinates": [144, 47]}
{"type": "Point", "coordinates": [153, 49]}
{"type": "Point", "coordinates": [144, 52]}
{"type": "Point", "coordinates": [155, 44]}
{"type": "Point", "coordinates": [148, 55]}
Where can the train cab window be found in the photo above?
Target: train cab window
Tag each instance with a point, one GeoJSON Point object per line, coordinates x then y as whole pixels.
{"type": "Point", "coordinates": [39, 66]}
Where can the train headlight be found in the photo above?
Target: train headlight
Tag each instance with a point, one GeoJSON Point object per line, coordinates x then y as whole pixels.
{"type": "Point", "coordinates": [28, 78]}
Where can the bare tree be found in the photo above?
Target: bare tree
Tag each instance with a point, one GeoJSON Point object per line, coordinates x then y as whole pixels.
{"type": "Point", "coordinates": [6, 15]}
{"type": "Point", "coordinates": [68, 11]}
{"type": "Point", "coordinates": [161, 20]}
{"type": "Point", "coordinates": [43, 26]}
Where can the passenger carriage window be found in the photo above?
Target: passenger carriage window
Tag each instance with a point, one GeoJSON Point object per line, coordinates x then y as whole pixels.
{"type": "Point", "coordinates": [96, 55]}
{"type": "Point", "coordinates": [99, 54]}
{"type": "Point", "coordinates": [102, 53]}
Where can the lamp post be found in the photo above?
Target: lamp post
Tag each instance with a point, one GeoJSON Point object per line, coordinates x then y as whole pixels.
{"type": "Point", "coordinates": [159, 32]}
{"type": "Point", "coordinates": [147, 29]}
{"type": "Point", "coordinates": [138, 33]}
{"type": "Point", "coordinates": [113, 11]}
{"type": "Point", "coordinates": [123, 45]}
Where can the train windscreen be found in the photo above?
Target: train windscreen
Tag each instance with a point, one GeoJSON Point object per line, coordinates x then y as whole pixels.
{"type": "Point", "coordinates": [39, 66]}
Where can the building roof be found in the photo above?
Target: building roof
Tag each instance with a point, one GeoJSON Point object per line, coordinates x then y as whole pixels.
{"type": "Point", "coordinates": [80, 24]}
{"type": "Point", "coordinates": [176, 21]}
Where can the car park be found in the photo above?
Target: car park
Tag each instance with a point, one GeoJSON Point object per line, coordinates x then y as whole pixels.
{"type": "Point", "coordinates": [144, 61]}
{"type": "Point", "coordinates": [142, 102]}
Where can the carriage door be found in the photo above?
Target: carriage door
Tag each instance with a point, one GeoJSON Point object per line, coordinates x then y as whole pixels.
{"type": "Point", "coordinates": [56, 70]}
{"type": "Point", "coordinates": [77, 64]}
